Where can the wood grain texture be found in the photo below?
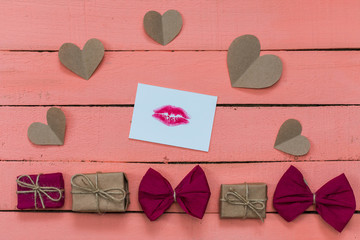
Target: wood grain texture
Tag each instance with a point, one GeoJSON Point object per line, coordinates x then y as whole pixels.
{"type": "Point", "coordinates": [29, 78]}
{"type": "Point", "coordinates": [315, 173]}
{"type": "Point", "coordinates": [239, 134]}
{"type": "Point", "coordinates": [97, 137]}
{"type": "Point", "coordinates": [208, 25]}
{"type": "Point", "coordinates": [17, 225]}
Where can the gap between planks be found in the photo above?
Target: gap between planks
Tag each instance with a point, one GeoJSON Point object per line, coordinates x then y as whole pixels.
{"type": "Point", "coordinates": [227, 105]}
{"type": "Point", "coordinates": [128, 212]}
{"type": "Point", "coordinates": [174, 163]}
{"type": "Point", "coordinates": [199, 50]}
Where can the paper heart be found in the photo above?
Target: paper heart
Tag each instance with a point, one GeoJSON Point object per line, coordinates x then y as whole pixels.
{"type": "Point", "coordinates": [247, 69]}
{"type": "Point", "coordinates": [51, 134]}
{"type": "Point", "coordinates": [290, 140]}
{"type": "Point", "coordinates": [163, 29]}
{"type": "Point", "coordinates": [82, 62]}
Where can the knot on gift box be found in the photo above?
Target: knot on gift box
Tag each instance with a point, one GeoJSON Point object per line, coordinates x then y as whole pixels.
{"type": "Point", "coordinates": [90, 188]}
{"type": "Point", "coordinates": [38, 190]}
{"type": "Point", "coordinates": [234, 198]}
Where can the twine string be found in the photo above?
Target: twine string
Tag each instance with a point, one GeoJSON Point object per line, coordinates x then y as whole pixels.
{"type": "Point", "coordinates": [174, 196]}
{"type": "Point", "coordinates": [314, 195]}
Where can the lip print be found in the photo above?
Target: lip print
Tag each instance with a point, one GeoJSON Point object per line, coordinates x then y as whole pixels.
{"type": "Point", "coordinates": [171, 116]}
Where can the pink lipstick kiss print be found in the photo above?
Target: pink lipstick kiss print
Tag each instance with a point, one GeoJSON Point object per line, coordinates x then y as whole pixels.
{"type": "Point", "coordinates": [171, 116]}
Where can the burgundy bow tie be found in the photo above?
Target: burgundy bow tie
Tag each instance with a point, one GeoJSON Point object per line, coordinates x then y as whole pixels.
{"type": "Point", "coordinates": [156, 194]}
{"type": "Point", "coordinates": [335, 201]}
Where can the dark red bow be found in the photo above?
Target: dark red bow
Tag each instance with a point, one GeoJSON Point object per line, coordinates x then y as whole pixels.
{"type": "Point", "coordinates": [335, 201]}
{"type": "Point", "coordinates": [156, 194]}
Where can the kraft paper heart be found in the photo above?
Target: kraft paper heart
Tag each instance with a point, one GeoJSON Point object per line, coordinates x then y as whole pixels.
{"type": "Point", "coordinates": [51, 134]}
{"type": "Point", "coordinates": [290, 140]}
{"type": "Point", "coordinates": [163, 29]}
{"type": "Point", "coordinates": [82, 62]}
{"type": "Point", "coordinates": [247, 69]}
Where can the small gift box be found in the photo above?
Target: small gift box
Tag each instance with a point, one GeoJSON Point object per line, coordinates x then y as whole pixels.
{"type": "Point", "coordinates": [40, 191]}
{"type": "Point", "coordinates": [246, 200]}
{"type": "Point", "coordinates": [100, 192]}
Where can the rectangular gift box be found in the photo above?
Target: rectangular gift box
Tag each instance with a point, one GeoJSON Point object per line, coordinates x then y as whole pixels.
{"type": "Point", "coordinates": [29, 187]}
{"type": "Point", "coordinates": [112, 194]}
{"type": "Point", "coordinates": [234, 207]}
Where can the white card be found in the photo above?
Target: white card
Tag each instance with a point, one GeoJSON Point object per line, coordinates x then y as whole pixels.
{"type": "Point", "coordinates": [173, 117]}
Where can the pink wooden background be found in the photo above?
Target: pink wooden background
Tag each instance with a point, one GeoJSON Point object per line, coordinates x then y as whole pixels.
{"type": "Point", "coordinates": [319, 44]}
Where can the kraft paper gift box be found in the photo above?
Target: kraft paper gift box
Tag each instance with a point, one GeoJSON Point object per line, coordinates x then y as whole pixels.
{"type": "Point", "coordinates": [247, 200]}
{"type": "Point", "coordinates": [40, 191]}
{"type": "Point", "coordinates": [100, 192]}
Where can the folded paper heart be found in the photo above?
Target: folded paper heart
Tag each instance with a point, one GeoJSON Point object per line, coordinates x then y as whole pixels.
{"type": "Point", "coordinates": [335, 201]}
{"type": "Point", "coordinates": [247, 69]}
{"type": "Point", "coordinates": [290, 140]}
{"type": "Point", "coordinates": [163, 29]}
{"type": "Point", "coordinates": [82, 62]}
{"type": "Point", "coordinates": [51, 134]}
{"type": "Point", "coordinates": [156, 194]}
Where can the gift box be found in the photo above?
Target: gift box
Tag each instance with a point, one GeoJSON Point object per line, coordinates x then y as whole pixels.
{"type": "Point", "coordinates": [247, 200]}
{"type": "Point", "coordinates": [100, 192]}
{"type": "Point", "coordinates": [40, 191]}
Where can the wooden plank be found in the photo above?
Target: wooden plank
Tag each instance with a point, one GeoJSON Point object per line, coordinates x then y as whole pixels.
{"type": "Point", "coordinates": [208, 25]}
{"type": "Point", "coordinates": [97, 137]}
{"type": "Point", "coordinates": [308, 78]}
{"type": "Point", "coordinates": [239, 134]}
{"type": "Point", "coordinates": [42, 226]}
{"type": "Point", "coordinates": [316, 174]}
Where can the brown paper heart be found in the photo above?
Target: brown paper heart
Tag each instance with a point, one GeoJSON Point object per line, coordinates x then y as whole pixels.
{"type": "Point", "coordinates": [163, 29]}
{"type": "Point", "coordinates": [82, 62]}
{"type": "Point", "coordinates": [51, 134]}
{"type": "Point", "coordinates": [247, 69]}
{"type": "Point", "coordinates": [290, 140]}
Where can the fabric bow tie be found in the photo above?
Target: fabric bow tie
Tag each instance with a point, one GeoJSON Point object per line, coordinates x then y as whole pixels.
{"type": "Point", "coordinates": [335, 201]}
{"type": "Point", "coordinates": [156, 194]}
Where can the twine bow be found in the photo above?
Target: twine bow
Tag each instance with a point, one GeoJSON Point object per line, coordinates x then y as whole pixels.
{"type": "Point", "coordinates": [255, 205]}
{"type": "Point", "coordinates": [91, 188]}
{"type": "Point", "coordinates": [38, 190]}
